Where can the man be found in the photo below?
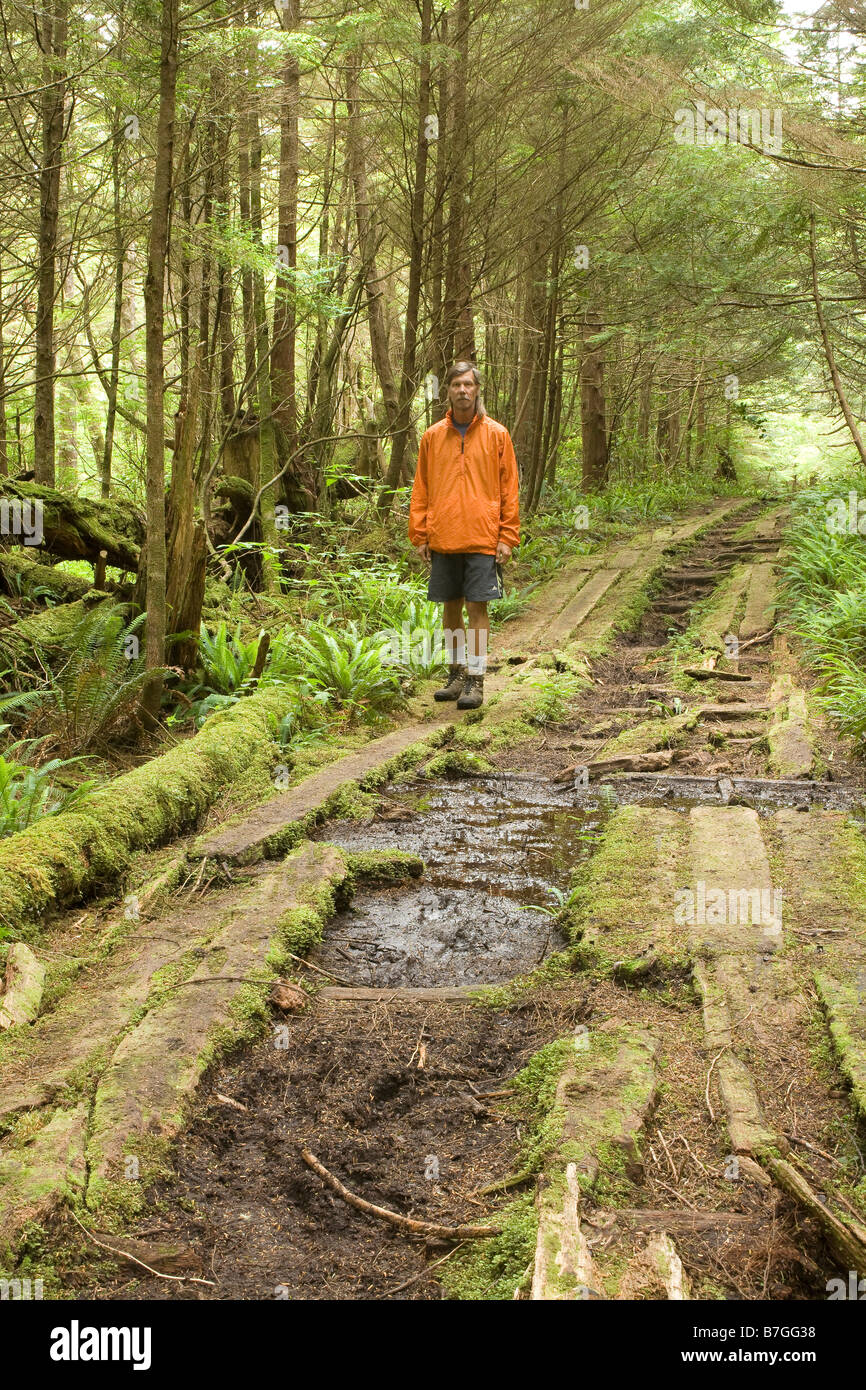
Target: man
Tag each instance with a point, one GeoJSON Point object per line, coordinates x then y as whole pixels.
{"type": "Point", "coordinates": [464, 521]}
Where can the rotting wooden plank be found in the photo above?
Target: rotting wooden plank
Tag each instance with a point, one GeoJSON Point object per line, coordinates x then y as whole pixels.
{"type": "Point", "coordinates": [825, 877]}
{"type": "Point", "coordinates": [573, 614]}
{"type": "Point", "coordinates": [790, 734]}
{"type": "Point", "coordinates": [244, 843]}
{"type": "Point", "coordinates": [563, 1267]}
{"type": "Point", "coordinates": [157, 1066]}
{"type": "Point", "coordinates": [38, 1177]}
{"type": "Point", "coordinates": [604, 1095]}
{"type": "Point", "coordinates": [731, 878]}
{"type": "Point", "coordinates": [760, 603]}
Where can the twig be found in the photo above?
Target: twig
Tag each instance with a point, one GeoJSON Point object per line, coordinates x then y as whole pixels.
{"type": "Point", "coordinates": [756, 641]}
{"type": "Point", "coordinates": [415, 1277]}
{"type": "Point", "coordinates": [405, 1223]}
{"type": "Point", "coordinates": [514, 1181]}
{"type": "Point", "coordinates": [693, 1155]}
{"type": "Point", "coordinates": [227, 1100]}
{"type": "Point", "coordinates": [329, 974]}
{"type": "Point", "coordinates": [667, 1187]}
{"type": "Point", "coordinates": [795, 1139]}
{"type": "Point", "coordinates": [179, 1278]}
{"type": "Point", "coordinates": [199, 878]}
{"type": "Point", "coordinates": [707, 1091]}
{"type": "Point", "coordinates": [673, 1166]}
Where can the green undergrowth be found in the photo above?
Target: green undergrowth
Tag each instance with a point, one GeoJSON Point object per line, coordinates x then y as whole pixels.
{"type": "Point", "coordinates": [492, 1270]}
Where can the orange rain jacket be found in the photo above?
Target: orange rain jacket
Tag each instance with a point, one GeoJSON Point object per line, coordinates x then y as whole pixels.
{"type": "Point", "coordinates": [465, 498]}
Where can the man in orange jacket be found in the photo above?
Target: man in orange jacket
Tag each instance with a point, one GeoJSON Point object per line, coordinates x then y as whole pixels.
{"type": "Point", "coordinates": [464, 520]}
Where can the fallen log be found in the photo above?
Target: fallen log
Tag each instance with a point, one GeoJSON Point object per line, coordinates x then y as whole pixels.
{"type": "Point", "coordinates": [20, 573]}
{"type": "Point", "coordinates": [405, 1223]}
{"type": "Point", "coordinates": [72, 527]}
{"type": "Point", "coordinates": [624, 762]}
{"type": "Point", "coordinates": [702, 673]}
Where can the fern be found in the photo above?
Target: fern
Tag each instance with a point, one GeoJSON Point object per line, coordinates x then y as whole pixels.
{"type": "Point", "coordinates": [97, 688]}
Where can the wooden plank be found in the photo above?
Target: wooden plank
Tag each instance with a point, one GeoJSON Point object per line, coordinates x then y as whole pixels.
{"type": "Point", "coordinates": [580, 607]}
{"type": "Point", "coordinates": [760, 603]}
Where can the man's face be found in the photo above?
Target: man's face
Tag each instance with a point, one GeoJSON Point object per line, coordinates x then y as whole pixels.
{"type": "Point", "coordinates": [462, 393]}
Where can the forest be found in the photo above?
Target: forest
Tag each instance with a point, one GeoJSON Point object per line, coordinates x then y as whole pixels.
{"type": "Point", "coordinates": [241, 245]}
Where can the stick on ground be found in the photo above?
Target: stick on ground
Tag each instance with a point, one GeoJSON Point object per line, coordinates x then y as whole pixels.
{"type": "Point", "coordinates": [405, 1223]}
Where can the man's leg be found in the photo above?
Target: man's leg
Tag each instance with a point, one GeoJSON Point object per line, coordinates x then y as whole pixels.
{"type": "Point", "coordinates": [455, 650]}
{"type": "Point", "coordinates": [455, 632]}
{"type": "Point", "coordinates": [477, 636]}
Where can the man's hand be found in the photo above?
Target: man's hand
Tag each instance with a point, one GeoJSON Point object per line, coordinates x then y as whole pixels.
{"type": "Point", "coordinates": [503, 552]}
{"type": "Point", "coordinates": [424, 552]}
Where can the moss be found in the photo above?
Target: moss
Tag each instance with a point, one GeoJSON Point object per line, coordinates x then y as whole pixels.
{"type": "Point", "coordinates": [650, 735]}
{"type": "Point", "coordinates": [383, 867]}
{"type": "Point", "coordinates": [468, 736]}
{"type": "Point", "coordinates": [121, 1200]}
{"type": "Point", "coordinates": [458, 763]}
{"type": "Point", "coordinates": [491, 1270]}
{"type": "Point", "coordinates": [61, 858]}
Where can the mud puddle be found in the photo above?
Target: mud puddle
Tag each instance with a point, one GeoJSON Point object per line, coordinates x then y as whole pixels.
{"type": "Point", "coordinates": [496, 852]}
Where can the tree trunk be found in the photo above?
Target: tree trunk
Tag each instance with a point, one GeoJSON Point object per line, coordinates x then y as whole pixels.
{"type": "Point", "coordinates": [828, 349]}
{"type": "Point", "coordinates": [367, 249]}
{"type": "Point", "coordinates": [408, 379]}
{"type": "Point", "coordinates": [593, 422]}
{"type": "Point", "coordinates": [459, 324]}
{"type": "Point", "coordinates": [4, 454]}
{"type": "Point", "coordinates": [292, 489]}
{"type": "Point", "coordinates": [53, 113]}
{"type": "Point", "coordinates": [437, 358]}
{"type": "Point", "coordinates": [154, 308]}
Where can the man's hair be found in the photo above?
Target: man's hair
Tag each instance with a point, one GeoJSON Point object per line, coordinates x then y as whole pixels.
{"type": "Point", "coordinates": [459, 368]}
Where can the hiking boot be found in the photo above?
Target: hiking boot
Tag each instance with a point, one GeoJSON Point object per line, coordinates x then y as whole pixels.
{"type": "Point", "coordinates": [453, 687]}
{"type": "Point", "coordinates": [473, 693]}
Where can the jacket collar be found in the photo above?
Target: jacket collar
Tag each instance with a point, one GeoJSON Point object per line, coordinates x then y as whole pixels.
{"type": "Point", "coordinates": [480, 413]}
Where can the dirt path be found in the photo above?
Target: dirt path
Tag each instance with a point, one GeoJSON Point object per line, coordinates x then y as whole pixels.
{"type": "Point", "coordinates": [652, 1066]}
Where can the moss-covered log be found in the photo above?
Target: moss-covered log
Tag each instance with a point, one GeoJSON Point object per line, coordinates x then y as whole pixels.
{"type": "Point", "coordinates": [61, 858]}
{"type": "Point", "coordinates": [78, 528]}
{"type": "Point", "coordinates": [46, 633]}
{"type": "Point", "coordinates": [19, 573]}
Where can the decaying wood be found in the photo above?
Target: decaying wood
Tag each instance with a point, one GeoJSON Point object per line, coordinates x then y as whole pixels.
{"type": "Point", "coordinates": [360, 994]}
{"type": "Point", "coordinates": [227, 1100]}
{"type": "Point", "coordinates": [708, 673]}
{"type": "Point", "coordinates": [625, 762]}
{"type": "Point", "coordinates": [657, 1270]}
{"type": "Point", "coordinates": [127, 1254]}
{"type": "Point", "coordinates": [405, 1223]}
{"type": "Point", "coordinates": [78, 528]}
{"type": "Point", "coordinates": [651, 1219]}
{"type": "Point", "coordinates": [288, 997]}
{"type": "Point", "coordinates": [847, 1239]}
{"type": "Point", "coordinates": [571, 1273]}
{"type": "Point", "coordinates": [25, 981]}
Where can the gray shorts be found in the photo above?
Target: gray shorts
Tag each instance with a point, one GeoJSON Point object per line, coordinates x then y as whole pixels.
{"type": "Point", "coordinates": [477, 578]}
